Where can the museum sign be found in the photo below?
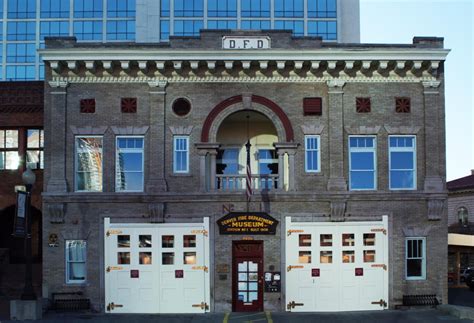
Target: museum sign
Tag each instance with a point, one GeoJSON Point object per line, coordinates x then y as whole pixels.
{"type": "Point", "coordinates": [247, 223]}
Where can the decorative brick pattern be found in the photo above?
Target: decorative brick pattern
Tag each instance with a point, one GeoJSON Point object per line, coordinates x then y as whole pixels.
{"type": "Point", "coordinates": [363, 105]}
{"type": "Point", "coordinates": [312, 106]}
{"type": "Point", "coordinates": [87, 106]}
{"type": "Point", "coordinates": [129, 105]}
{"type": "Point", "coordinates": [402, 105]}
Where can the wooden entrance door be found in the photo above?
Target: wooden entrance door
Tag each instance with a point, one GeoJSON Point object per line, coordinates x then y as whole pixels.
{"type": "Point", "coordinates": [247, 276]}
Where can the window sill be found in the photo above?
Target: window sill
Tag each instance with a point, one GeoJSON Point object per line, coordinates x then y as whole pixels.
{"type": "Point", "coordinates": [85, 284]}
{"type": "Point", "coordinates": [313, 173]}
{"type": "Point", "coordinates": [181, 175]}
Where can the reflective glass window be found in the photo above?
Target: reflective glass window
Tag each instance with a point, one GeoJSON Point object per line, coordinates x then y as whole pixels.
{"type": "Point", "coordinates": [20, 72]}
{"type": "Point", "coordinates": [34, 148]}
{"type": "Point", "coordinates": [296, 26]}
{"type": "Point", "coordinates": [21, 30]}
{"type": "Point", "coordinates": [187, 27]}
{"type": "Point", "coordinates": [121, 30]}
{"type": "Point", "coordinates": [21, 53]}
{"type": "Point", "coordinates": [188, 8]}
{"type": "Point", "coordinates": [255, 8]}
{"type": "Point", "coordinates": [120, 8]}
{"type": "Point", "coordinates": [54, 28]}
{"type": "Point", "coordinates": [255, 24]}
{"type": "Point", "coordinates": [222, 24]}
{"type": "Point", "coordinates": [222, 8]}
{"type": "Point", "coordinates": [289, 8]}
{"type": "Point", "coordinates": [21, 9]}
{"type": "Point", "coordinates": [88, 164]}
{"type": "Point", "coordinates": [165, 8]}
{"type": "Point", "coordinates": [88, 8]}
{"type": "Point", "coordinates": [164, 29]}
{"type": "Point", "coordinates": [9, 156]}
{"type": "Point", "coordinates": [88, 30]}
{"type": "Point", "coordinates": [327, 30]}
{"type": "Point", "coordinates": [402, 162]}
{"type": "Point", "coordinates": [54, 8]}
{"type": "Point", "coordinates": [129, 168]}
{"type": "Point", "coordinates": [322, 9]}
{"type": "Point", "coordinates": [362, 163]}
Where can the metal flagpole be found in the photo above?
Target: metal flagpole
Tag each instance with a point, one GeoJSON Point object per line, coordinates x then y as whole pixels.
{"type": "Point", "coordinates": [248, 169]}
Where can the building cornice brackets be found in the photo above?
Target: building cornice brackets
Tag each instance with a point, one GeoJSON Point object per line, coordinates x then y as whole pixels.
{"type": "Point", "coordinates": [435, 209]}
{"type": "Point", "coordinates": [335, 85]}
{"type": "Point", "coordinates": [338, 210]}
{"type": "Point", "coordinates": [160, 83]}
{"type": "Point", "coordinates": [156, 212]}
{"type": "Point", "coordinates": [56, 212]}
{"type": "Point", "coordinates": [431, 87]}
{"type": "Point", "coordinates": [58, 83]}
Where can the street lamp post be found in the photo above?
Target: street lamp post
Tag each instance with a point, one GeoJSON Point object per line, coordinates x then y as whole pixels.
{"type": "Point", "coordinates": [29, 179]}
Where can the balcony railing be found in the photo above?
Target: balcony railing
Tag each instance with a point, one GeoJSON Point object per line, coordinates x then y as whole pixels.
{"type": "Point", "coordinates": [239, 182]}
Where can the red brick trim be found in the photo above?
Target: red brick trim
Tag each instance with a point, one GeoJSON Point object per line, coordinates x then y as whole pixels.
{"type": "Point", "coordinates": [255, 98]}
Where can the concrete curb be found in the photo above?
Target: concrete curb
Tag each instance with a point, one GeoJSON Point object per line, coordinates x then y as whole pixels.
{"type": "Point", "coordinates": [462, 312]}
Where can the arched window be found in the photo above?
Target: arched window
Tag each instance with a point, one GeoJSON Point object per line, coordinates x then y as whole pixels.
{"type": "Point", "coordinates": [462, 216]}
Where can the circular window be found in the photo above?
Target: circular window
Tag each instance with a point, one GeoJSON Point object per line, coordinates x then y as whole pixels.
{"type": "Point", "coordinates": [181, 107]}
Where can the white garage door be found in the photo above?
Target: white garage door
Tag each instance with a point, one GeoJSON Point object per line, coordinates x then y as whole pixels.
{"type": "Point", "coordinates": [156, 268]}
{"type": "Point", "coordinates": [336, 266]}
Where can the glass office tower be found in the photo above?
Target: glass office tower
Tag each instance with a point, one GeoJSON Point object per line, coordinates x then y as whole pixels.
{"type": "Point", "coordinates": [25, 23]}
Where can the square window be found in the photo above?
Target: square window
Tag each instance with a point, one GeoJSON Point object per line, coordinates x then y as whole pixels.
{"type": "Point", "coordinates": [144, 241]}
{"type": "Point", "coordinates": [189, 258]}
{"type": "Point", "coordinates": [362, 105]}
{"type": "Point", "coordinates": [326, 240]}
{"type": "Point", "coordinates": [304, 257]}
{"type": "Point", "coordinates": [167, 241]}
{"type": "Point", "coordinates": [167, 258]}
{"type": "Point", "coordinates": [348, 239]}
{"type": "Point", "coordinates": [325, 257]}
{"type": "Point", "coordinates": [348, 256]}
{"type": "Point", "coordinates": [144, 258]}
{"type": "Point", "coordinates": [402, 105]}
{"type": "Point", "coordinates": [87, 106]}
{"type": "Point", "coordinates": [123, 241]}
{"type": "Point", "coordinates": [123, 258]}
{"type": "Point", "coordinates": [129, 105]}
{"type": "Point", "coordinates": [369, 255]}
{"type": "Point", "coordinates": [305, 240]}
{"type": "Point", "coordinates": [189, 241]}
{"type": "Point", "coordinates": [369, 239]}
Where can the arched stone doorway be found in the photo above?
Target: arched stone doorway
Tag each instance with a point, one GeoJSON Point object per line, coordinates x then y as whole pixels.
{"type": "Point", "coordinates": [223, 153]}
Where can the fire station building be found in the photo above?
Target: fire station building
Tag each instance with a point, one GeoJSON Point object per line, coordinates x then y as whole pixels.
{"type": "Point", "coordinates": [146, 173]}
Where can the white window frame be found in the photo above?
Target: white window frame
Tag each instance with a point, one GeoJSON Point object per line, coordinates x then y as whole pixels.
{"type": "Point", "coordinates": [402, 149]}
{"type": "Point", "coordinates": [76, 163]}
{"type": "Point", "coordinates": [363, 149]}
{"type": "Point", "coordinates": [423, 258]}
{"type": "Point", "coordinates": [131, 150]}
{"type": "Point", "coordinates": [318, 153]}
{"type": "Point", "coordinates": [67, 262]}
{"type": "Point", "coordinates": [175, 151]}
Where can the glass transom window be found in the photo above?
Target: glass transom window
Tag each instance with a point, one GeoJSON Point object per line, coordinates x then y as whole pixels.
{"type": "Point", "coordinates": [129, 167]}
{"type": "Point", "coordinates": [362, 163]}
{"type": "Point", "coordinates": [402, 160]}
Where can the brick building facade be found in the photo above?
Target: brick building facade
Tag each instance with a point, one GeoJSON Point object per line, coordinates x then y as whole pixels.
{"type": "Point", "coordinates": [146, 152]}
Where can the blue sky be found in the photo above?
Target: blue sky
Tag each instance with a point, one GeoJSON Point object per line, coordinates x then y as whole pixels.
{"type": "Point", "coordinates": [387, 21]}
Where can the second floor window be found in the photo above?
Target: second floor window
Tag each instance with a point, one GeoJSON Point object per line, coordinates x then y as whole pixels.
{"type": "Point", "coordinates": [9, 156]}
{"type": "Point", "coordinates": [88, 165]}
{"type": "Point", "coordinates": [34, 149]}
{"type": "Point", "coordinates": [129, 167]}
{"type": "Point", "coordinates": [181, 154]}
{"type": "Point", "coordinates": [402, 161]}
{"type": "Point", "coordinates": [312, 154]}
{"type": "Point", "coordinates": [362, 163]}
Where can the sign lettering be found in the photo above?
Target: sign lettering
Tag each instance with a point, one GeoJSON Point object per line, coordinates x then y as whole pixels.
{"type": "Point", "coordinates": [245, 42]}
{"type": "Point", "coordinates": [247, 223]}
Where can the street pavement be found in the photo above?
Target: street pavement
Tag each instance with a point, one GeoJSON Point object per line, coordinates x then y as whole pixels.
{"type": "Point", "coordinates": [389, 316]}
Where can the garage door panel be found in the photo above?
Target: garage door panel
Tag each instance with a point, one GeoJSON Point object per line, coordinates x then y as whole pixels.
{"type": "Point", "coordinates": [340, 272]}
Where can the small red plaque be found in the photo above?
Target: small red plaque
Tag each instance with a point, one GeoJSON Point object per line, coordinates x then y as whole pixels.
{"type": "Point", "coordinates": [315, 272]}
{"type": "Point", "coordinates": [134, 273]}
{"type": "Point", "coordinates": [359, 271]}
{"type": "Point", "coordinates": [178, 273]}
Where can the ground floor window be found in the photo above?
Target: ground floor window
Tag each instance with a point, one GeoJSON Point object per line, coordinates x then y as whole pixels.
{"type": "Point", "coordinates": [415, 258]}
{"type": "Point", "coordinates": [76, 261]}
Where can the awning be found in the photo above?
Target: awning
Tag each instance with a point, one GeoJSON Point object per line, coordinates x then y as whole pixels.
{"type": "Point", "coordinates": [455, 239]}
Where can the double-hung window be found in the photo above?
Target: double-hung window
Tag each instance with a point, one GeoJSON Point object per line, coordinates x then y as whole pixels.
{"type": "Point", "coordinates": [415, 263]}
{"type": "Point", "coordinates": [88, 165]}
{"type": "Point", "coordinates": [76, 269]}
{"type": "Point", "coordinates": [181, 154]}
{"type": "Point", "coordinates": [402, 161]}
{"type": "Point", "coordinates": [129, 164]}
{"type": "Point", "coordinates": [312, 154]}
{"type": "Point", "coordinates": [362, 163]}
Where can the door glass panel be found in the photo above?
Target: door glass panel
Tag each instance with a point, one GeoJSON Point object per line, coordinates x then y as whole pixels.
{"type": "Point", "coordinates": [253, 276]}
{"type": "Point", "coordinates": [189, 241]}
{"type": "Point", "coordinates": [243, 266]}
{"type": "Point", "coordinates": [123, 241]}
{"type": "Point", "coordinates": [369, 255]}
{"type": "Point", "coordinates": [243, 276]}
{"type": "Point", "coordinates": [369, 239]}
{"type": "Point", "coordinates": [253, 296]}
{"type": "Point", "coordinates": [189, 258]}
{"type": "Point", "coordinates": [348, 239]}
{"type": "Point", "coordinates": [348, 256]}
{"type": "Point", "coordinates": [145, 241]}
{"type": "Point", "coordinates": [123, 258]}
{"type": "Point", "coordinates": [253, 266]}
{"type": "Point", "coordinates": [305, 240]}
{"type": "Point", "coordinates": [243, 297]}
{"type": "Point", "coordinates": [167, 258]}
{"type": "Point", "coordinates": [304, 257]}
{"type": "Point", "coordinates": [325, 257]}
{"type": "Point", "coordinates": [326, 240]}
{"type": "Point", "coordinates": [167, 241]}
{"type": "Point", "coordinates": [145, 258]}
{"type": "Point", "coordinates": [242, 286]}
{"type": "Point", "coordinates": [253, 286]}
